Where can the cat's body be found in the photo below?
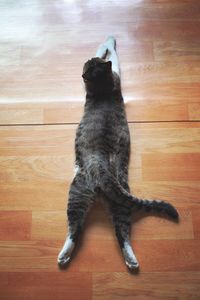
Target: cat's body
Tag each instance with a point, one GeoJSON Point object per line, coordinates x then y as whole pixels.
{"type": "Point", "coordinates": [102, 139]}
{"type": "Point", "coordinates": [102, 154]}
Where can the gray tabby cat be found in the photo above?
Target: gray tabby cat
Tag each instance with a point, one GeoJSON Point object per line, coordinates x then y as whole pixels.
{"type": "Point", "coordinates": [102, 154]}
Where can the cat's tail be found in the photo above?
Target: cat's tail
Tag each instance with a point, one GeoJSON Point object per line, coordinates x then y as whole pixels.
{"type": "Point", "coordinates": [156, 206]}
{"type": "Point", "coordinates": [113, 190]}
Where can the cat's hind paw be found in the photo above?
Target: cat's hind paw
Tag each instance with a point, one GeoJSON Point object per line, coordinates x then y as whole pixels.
{"type": "Point", "coordinates": [66, 252]}
{"type": "Point", "coordinates": [63, 261]}
{"type": "Point", "coordinates": [132, 265]}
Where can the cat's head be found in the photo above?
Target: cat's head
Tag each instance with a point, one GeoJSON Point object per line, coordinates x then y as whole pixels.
{"type": "Point", "coordinates": [96, 71]}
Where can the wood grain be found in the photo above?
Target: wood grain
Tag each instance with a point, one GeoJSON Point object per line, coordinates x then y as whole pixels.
{"type": "Point", "coordinates": [196, 221]}
{"type": "Point", "coordinates": [138, 110]}
{"type": "Point", "coordinates": [53, 224]}
{"type": "Point", "coordinates": [154, 256]}
{"type": "Point", "coordinates": [194, 111]}
{"type": "Point", "coordinates": [41, 62]}
{"type": "Point", "coordinates": [43, 46]}
{"type": "Point", "coordinates": [26, 162]}
{"type": "Point", "coordinates": [178, 167]}
{"type": "Point", "coordinates": [158, 286]}
{"type": "Point", "coordinates": [103, 256]}
{"type": "Point", "coordinates": [45, 286]}
{"type": "Point", "coordinates": [15, 225]}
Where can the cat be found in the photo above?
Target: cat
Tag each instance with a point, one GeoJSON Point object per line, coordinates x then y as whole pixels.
{"type": "Point", "coordinates": [102, 147]}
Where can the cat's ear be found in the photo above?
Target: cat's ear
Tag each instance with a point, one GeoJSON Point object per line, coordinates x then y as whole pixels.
{"type": "Point", "coordinates": [108, 65]}
{"type": "Point", "coordinates": [86, 76]}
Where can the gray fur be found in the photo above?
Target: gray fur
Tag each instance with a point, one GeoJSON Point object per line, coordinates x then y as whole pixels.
{"type": "Point", "coordinates": [102, 149]}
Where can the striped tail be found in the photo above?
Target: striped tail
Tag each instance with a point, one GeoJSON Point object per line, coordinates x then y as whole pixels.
{"type": "Point", "coordinates": [156, 206]}
{"type": "Point", "coordinates": [114, 191]}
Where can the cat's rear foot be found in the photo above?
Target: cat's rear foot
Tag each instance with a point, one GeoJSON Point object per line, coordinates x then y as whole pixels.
{"type": "Point", "coordinates": [65, 254]}
{"type": "Point", "coordinates": [129, 256]}
{"type": "Point", "coordinates": [63, 261]}
{"type": "Point", "coordinates": [132, 265]}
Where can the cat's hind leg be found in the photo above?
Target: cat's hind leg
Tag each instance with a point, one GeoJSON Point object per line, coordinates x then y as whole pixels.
{"type": "Point", "coordinates": [121, 216]}
{"type": "Point", "coordinates": [80, 200]}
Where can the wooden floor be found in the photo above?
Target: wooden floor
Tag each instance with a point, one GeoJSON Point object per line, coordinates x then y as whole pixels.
{"type": "Point", "coordinates": [43, 45]}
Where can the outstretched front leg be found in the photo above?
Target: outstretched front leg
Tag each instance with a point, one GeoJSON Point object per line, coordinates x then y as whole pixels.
{"type": "Point", "coordinates": [102, 51]}
{"type": "Point", "coordinates": [121, 215]}
{"type": "Point", "coordinates": [107, 51]}
{"type": "Point", "coordinates": [112, 54]}
{"type": "Point", "coordinates": [80, 200]}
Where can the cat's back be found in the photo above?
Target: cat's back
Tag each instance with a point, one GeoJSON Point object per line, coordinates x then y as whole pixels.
{"type": "Point", "coordinates": [102, 125]}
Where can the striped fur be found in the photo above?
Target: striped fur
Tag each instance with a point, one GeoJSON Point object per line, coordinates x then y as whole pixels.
{"type": "Point", "coordinates": [102, 149]}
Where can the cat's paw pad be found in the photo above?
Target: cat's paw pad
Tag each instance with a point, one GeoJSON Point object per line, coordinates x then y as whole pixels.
{"type": "Point", "coordinates": [132, 265]}
{"type": "Point", "coordinates": [63, 260]}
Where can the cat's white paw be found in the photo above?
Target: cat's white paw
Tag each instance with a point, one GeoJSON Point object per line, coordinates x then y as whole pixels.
{"type": "Point", "coordinates": [130, 259]}
{"type": "Point", "coordinates": [62, 261]}
{"type": "Point", "coordinates": [111, 42]}
{"type": "Point", "coordinates": [102, 51]}
{"type": "Point", "coordinates": [132, 265]}
{"type": "Point", "coordinates": [65, 254]}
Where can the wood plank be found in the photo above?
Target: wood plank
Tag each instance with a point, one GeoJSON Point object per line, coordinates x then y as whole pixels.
{"type": "Point", "coordinates": [164, 140]}
{"type": "Point", "coordinates": [196, 221]}
{"type": "Point", "coordinates": [104, 256]}
{"type": "Point", "coordinates": [163, 72]}
{"type": "Point", "coordinates": [144, 227]}
{"type": "Point", "coordinates": [138, 110]}
{"type": "Point", "coordinates": [36, 167]}
{"type": "Point", "coordinates": [49, 141]}
{"type": "Point", "coordinates": [153, 256]}
{"type": "Point", "coordinates": [10, 115]}
{"type": "Point", "coordinates": [158, 286]}
{"type": "Point", "coordinates": [176, 51]}
{"type": "Point", "coordinates": [22, 249]}
{"type": "Point", "coordinates": [165, 30]}
{"type": "Point", "coordinates": [15, 225]}
{"type": "Point", "coordinates": [30, 195]}
{"type": "Point", "coordinates": [149, 228]}
{"type": "Point", "coordinates": [179, 193]}
{"type": "Point", "coordinates": [156, 110]}
{"type": "Point", "coordinates": [37, 164]}
{"type": "Point", "coordinates": [157, 46]}
{"type": "Point", "coordinates": [53, 224]}
{"type": "Point", "coordinates": [42, 55]}
{"type": "Point", "coordinates": [31, 256]}
{"type": "Point", "coordinates": [42, 286]}
{"type": "Point", "coordinates": [176, 167]}
{"type": "Point", "coordinates": [194, 111]}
